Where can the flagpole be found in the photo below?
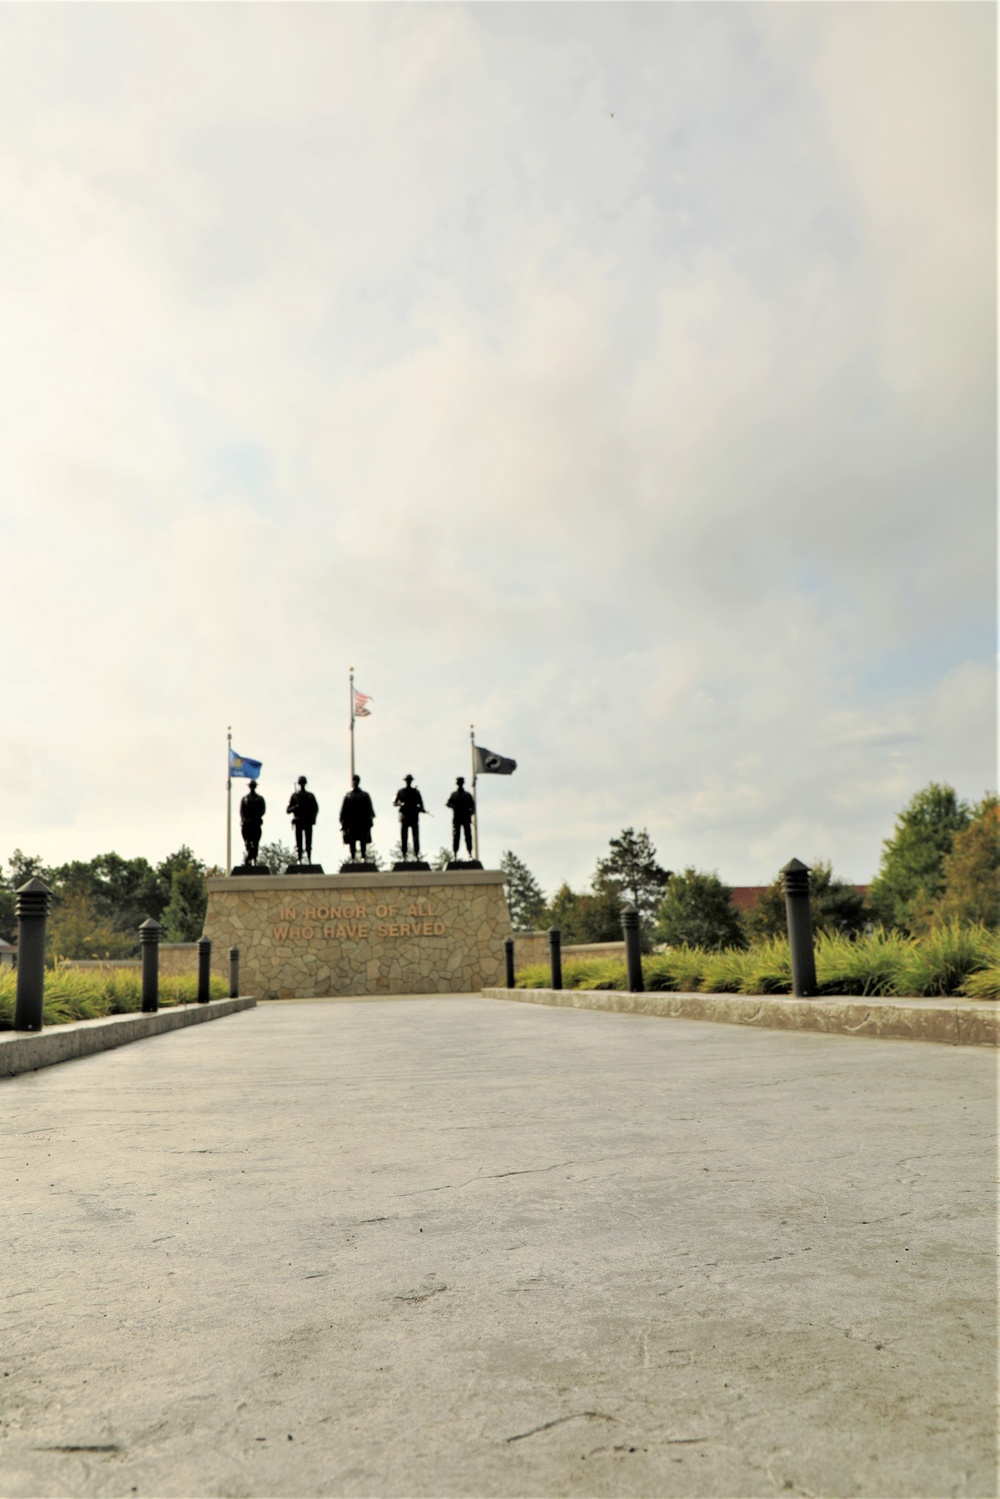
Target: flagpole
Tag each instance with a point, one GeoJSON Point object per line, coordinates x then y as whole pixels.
{"type": "Point", "coordinates": [351, 688]}
{"type": "Point", "coordinates": [229, 799]}
{"type": "Point", "coordinates": [475, 805]}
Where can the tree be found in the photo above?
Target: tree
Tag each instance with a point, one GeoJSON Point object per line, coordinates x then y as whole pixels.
{"type": "Point", "coordinates": [599, 916]}
{"type": "Point", "coordinates": [22, 867]}
{"type": "Point", "coordinates": [971, 890]}
{"type": "Point", "coordinates": [835, 906]}
{"type": "Point", "coordinates": [121, 892]}
{"type": "Point", "coordinates": [183, 918]}
{"type": "Point", "coordinates": [911, 873]}
{"type": "Point", "coordinates": [442, 858]}
{"type": "Point", "coordinates": [632, 866]}
{"type": "Point", "coordinates": [563, 911]}
{"type": "Point", "coordinates": [76, 930]}
{"type": "Point", "coordinates": [525, 899]}
{"type": "Point", "coordinates": [698, 909]}
{"type": "Point", "coordinates": [276, 857]}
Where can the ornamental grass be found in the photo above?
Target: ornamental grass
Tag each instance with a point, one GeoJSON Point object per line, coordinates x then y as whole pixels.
{"type": "Point", "coordinates": [954, 959]}
{"type": "Point", "coordinates": [74, 995]}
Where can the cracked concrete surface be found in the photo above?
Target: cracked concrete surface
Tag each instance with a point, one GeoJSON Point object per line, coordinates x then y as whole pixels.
{"type": "Point", "coordinates": [462, 1247]}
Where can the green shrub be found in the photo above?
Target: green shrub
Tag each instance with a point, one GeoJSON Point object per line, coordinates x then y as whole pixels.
{"type": "Point", "coordinates": [869, 965]}
{"type": "Point", "coordinates": [74, 995]}
{"type": "Point", "coordinates": [984, 983]}
{"type": "Point", "coordinates": [952, 959]}
{"type": "Point", "coordinates": [943, 959]}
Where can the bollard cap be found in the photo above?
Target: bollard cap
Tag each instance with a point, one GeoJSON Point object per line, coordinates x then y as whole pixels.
{"type": "Point", "coordinates": [149, 930]}
{"type": "Point", "coordinates": [795, 877]}
{"type": "Point", "coordinates": [630, 915]}
{"type": "Point", "coordinates": [204, 941]}
{"type": "Point", "coordinates": [554, 932]}
{"type": "Point", "coordinates": [32, 898]}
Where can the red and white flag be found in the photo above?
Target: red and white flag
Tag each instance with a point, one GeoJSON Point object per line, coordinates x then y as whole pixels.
{"type": "Point", "coordinates": [361, 708]}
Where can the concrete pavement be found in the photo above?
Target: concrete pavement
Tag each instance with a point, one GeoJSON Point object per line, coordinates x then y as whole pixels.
{"type": "Point", "coordinates": [462, 1247]}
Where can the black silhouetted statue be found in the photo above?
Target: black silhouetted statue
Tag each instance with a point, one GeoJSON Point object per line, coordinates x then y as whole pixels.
{"type": "Point", "coordinates": [304, 809]}
{"type": "Point", "coordinates": [252, 809]}
{"type": "Point", "coordinates": [410, 804]}
{"type": "Point", "coordinates": [463, 810]}
{"type": "Point", "coordinates": [356, 817]}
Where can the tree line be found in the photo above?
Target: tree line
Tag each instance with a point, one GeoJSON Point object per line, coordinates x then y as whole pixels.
{"type": "Point", "coordinates": [941, 863]}
{"type": "Point", "coordinates": [99, 905]}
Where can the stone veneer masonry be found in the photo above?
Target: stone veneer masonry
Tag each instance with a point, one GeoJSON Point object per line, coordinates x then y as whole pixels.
{"type": "Point", "coordinates": [308, 936]}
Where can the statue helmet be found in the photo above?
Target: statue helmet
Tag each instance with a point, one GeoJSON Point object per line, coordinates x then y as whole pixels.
{"type": "Point", "coordinates": [302, 780]}
{"type": "Point", "coordinates": [407, 779]}
{"type": "Point", "coordinates": [253, 785]}
{"type": "Point", "coordinates": [459, 780]}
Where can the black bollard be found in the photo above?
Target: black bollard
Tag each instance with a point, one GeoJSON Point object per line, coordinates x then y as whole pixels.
{"type": "Point", "coordinates": [508, 960]}
{"type": "Point", "coordinates": [555, 956]}
{"type": "Point", "coordinates": [31, 906]}
{"type": "Point", "coordinates": [633, 952]}
{"type": "Point", "coordinates": [795, 877]}
{"type": "Point", "coordinates": [149, 936]}
{"type": "Point", "coordinates": [204, 969]}
{"type": "Point", "coordinates": [234, 972]}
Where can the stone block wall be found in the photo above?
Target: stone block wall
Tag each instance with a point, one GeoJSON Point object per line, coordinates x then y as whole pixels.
{"type": "Point", "coordinates": [309, 936]}
{"type": "Point", "coordinates": [533, 947]}
{"type": "Point", "coordinates": [178, 958]}
{"type": "Point", "coordinates": [175, 958]}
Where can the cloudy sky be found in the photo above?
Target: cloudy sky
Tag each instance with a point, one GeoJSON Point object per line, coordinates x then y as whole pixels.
{"type": "Point", "coordinates": [619, 378]}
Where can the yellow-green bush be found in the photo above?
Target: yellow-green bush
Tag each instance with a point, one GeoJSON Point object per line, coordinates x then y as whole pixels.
{"type": "Point", "coordinates": [74, 995]}
{"type": "Point", "coordinates": [953, 959]}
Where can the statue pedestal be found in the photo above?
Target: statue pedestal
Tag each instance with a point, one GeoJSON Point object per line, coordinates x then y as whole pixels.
{"type": "Point", "coordinates": [315, 935]}
{"type": "Point", "coordinates": [304, 869]}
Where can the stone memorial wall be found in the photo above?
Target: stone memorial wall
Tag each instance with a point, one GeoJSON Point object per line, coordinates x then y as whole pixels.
{"type": "Point", "coordinates": [310, 936]}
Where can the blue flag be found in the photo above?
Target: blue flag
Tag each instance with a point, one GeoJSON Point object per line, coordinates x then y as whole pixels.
{"type": "Point", "coordinates": [239, 765]}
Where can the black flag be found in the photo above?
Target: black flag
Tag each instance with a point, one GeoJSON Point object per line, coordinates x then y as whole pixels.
{"type": "Point", "coordinates": [489, 764]}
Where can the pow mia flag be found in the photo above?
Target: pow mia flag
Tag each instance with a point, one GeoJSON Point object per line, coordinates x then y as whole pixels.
{"type": "Point", "coordinates": [489, 764]}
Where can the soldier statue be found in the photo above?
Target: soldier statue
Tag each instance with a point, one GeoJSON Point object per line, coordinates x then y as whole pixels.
{"type": "Point", "coordinates": [463, 809]}
{"type": "Point", "coordinates": [252, 809]}
{"type": "Point", "coordinates": [410, 804]}
{"type": "Point", "coordinates": [356, 817]}
{"type": "Point", "coordinates": [304, 809]}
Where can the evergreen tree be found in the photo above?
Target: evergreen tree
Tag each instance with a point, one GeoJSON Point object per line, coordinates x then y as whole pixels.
{"type": "Point", "coordinates": [911, 873]}
{"type": "Point", "coordinates": [525, 899]}
{"type": "Point", "coordinates": [183, 918]}
{"type": "Point", "coordinates": [630, 871]}
{"type": "Point", "coordinates": [698, 910]}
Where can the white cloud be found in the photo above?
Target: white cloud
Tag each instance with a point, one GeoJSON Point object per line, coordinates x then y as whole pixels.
{"type": "Point", "coordinates": [619, 378]}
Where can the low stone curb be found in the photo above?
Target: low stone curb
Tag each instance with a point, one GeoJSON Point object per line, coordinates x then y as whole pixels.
{"type": "Point", "coordinates": [954, 1022]}
{"type": "Point", "coordinates": [26, 1051]}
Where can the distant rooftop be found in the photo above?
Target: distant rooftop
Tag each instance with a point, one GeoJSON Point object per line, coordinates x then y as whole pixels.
{"type": "Point", "coordinates": [745, 897]}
